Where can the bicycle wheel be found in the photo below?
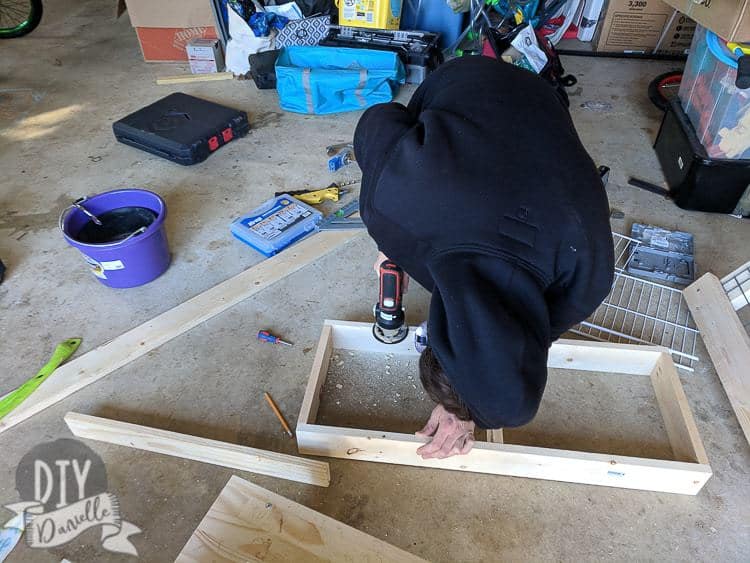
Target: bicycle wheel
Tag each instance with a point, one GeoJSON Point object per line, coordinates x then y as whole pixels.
{"type": "Point", "coordinates": [19, 17]}
{"type": "Point", "coordinates": [662, 89]}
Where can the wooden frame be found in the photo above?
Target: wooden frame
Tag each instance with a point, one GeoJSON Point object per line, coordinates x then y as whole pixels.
{"type": "Point", "coordinates": [686, 474]}
{"type": "Point", "coordinates": [204, 450]}
{"type": "Point", "coordinates": [249, 523]}
{"type": "Point", "coordinates": [726, 340]}
{"type": "Point", "coordinates": [131, 345]}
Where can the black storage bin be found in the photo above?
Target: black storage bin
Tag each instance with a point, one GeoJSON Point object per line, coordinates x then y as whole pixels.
{"type": "Point", "coordinates": [181, 128]}
{"type": "Point", "coordinates": [696, 181]}
{"type": "Point", "coordinates": [263, 69]}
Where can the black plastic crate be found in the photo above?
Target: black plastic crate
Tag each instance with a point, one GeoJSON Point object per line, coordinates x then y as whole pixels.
{"type": "Point", "coordinates": [697, 181]}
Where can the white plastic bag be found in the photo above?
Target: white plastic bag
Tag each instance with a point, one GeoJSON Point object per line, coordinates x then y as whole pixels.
{"type": "Point", "coordinates": [289, 10]}
{"type": "Point", "coordinates": [242, 44]}
{"type": "Point", "coordinates": [526, 43]}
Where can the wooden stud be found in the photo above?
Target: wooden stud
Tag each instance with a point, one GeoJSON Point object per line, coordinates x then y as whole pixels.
{"type": "Point", "coordinates": [726, 340]}
{"type": "Point", "coordinates": [189, 78]}
{"type": "Point", "coordinates": [687, 475]}
{"type": "Point", "coordinates": [675, 411]}
{"type": "Point", "coordinates": [630, 359]}
{"type": "Point", "coordinates": [103, 360]}
{"type": "Point", "coordinates": [495, 436]}
{"type": "Point", "coordinates": [249, 523]}
{"type": "Point", "coordinates": [204, 450]}
{"type": "Point", "coordinates": [311, 401]}
{"type": "Point", "coordinates": [508, 459]}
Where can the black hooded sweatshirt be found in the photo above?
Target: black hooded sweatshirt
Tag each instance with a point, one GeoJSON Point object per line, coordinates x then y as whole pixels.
{"type": "Point", "coordinates": [481, 191]}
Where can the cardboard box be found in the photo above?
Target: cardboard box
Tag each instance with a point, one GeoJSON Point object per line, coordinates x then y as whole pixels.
{"type": "Point", "coordinates": [729, 19]}
{"type": "Point", "coordinates": [638, 26]}
{"type": "Point", "coordinates": [170, 13]}
{"type": "Point", "coordinates": [205, 56]}
{"type": "Point", "coordinates": [164, 27]}
{"type": "Point", "coordinates": [169, 44]}
{"type": "Point", "coordinates": [677, 36]}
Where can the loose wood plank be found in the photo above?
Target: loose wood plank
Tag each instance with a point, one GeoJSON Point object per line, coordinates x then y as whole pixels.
{"type": "Point", "coordinates": [105, 359]}
{"type": "Point", "coordinates": [249, 523]}
{"type": "Point", "coordinates": [726, 341]}
{"type": "Point", "coordinates": [188, 78]}
{"type": "Point", "coordinates": [204, 450]}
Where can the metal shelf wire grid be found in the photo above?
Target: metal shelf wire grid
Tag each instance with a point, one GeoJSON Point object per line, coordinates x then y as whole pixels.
{"type": "Point", "coordinates": [639, 311]}
{"type": "Point", "coordinates": [737, 286]}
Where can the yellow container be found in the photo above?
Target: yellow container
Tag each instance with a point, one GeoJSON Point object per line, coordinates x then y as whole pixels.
{"type": "Point", "coordinates": [375, 14]}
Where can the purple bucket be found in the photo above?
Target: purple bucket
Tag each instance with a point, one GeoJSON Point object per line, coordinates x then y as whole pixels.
{"type": "Point", "coordinates": [136, 257]}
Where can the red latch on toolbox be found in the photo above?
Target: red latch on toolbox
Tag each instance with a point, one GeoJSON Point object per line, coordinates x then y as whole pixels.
{"type": "Point", "coordinates": [213, 143]}
{"type": "Point", "coordinates": [227, 134]}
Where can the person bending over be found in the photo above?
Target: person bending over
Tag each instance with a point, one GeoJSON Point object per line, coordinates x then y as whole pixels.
{"type": "Point", "coordinates": [481, 190]}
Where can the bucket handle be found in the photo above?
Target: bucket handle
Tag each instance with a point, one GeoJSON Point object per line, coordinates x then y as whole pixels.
{"type": "Point", "coordinates": [77, 205]}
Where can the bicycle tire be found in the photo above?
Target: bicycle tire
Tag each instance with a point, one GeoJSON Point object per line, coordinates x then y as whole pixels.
{"type": "Point", "coordinates": [31, 23]}
{"type": "Point", "coordinates": [655, 93]}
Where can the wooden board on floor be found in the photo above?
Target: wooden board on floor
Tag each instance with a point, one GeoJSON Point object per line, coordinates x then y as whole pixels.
{"type": "Point", "coordinates": [189, 78]}
{"type": "Point", "coordinates": [726, 340]}
{"type": "Point", "coordinates": [199, 449]}
{"type": "Point", "coordinates": [103, 360]}
{"type": "Point", "coordinates": [686, 474]}
{"type": "Point", "coordinates": [249, 523]}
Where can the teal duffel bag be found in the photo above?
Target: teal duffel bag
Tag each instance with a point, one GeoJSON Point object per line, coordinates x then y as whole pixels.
{"type": "Point", "coordinates": [322, 80]}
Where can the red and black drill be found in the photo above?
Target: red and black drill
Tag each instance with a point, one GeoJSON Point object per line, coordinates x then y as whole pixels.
{"type": "Point", "coordinates": [390, 327]}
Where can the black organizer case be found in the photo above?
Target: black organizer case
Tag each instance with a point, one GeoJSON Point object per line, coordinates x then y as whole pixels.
{"type": "Point", "coordinates": [181, 128]}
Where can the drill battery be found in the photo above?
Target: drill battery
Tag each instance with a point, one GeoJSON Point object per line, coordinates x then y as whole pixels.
{"type": "Point", "coordinates": [418, 50]}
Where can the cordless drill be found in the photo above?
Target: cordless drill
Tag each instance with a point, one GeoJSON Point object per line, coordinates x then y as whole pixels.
{"type": "Point", "coordinates": [389, 325]}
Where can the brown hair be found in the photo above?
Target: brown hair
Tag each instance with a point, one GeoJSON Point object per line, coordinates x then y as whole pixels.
{"type": "Point", "coordinates": [438, 387]}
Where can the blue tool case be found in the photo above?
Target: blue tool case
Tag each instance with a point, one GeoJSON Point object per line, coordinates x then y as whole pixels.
{"type": "Point", "coordinates": [322, 80]}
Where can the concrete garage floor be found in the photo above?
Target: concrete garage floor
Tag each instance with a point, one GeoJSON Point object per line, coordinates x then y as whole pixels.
{"type": "Point", "coordinates": [60, 90]}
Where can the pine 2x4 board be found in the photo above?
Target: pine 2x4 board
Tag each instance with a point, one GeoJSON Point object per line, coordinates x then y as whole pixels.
{"type": "Point", "coordinates": [685, 474]}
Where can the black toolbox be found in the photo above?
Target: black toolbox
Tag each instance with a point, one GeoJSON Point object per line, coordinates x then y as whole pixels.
{"type": "Point", "coordinates": [418, 50]}
{"type": "Point", "coordinates": [181, 128]}
{"type": "Point", "coordinates": [697, 181]}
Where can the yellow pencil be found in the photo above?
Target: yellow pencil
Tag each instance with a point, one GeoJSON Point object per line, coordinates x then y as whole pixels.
{"type": "Point", "coordinates": [278, 414]}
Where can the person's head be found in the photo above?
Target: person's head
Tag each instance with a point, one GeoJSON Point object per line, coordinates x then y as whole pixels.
{"type": "Point", "coordinates": [438, 387]}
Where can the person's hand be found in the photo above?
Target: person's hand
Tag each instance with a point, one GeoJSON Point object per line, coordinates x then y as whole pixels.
{"type": "Point", "coordinates": [450, 435]}
{"type": "Point", "coordinates": [382, 258]}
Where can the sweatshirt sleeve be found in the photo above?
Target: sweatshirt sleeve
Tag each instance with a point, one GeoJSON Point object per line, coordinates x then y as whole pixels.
{"type": "Point", "coordinates": [583, 285]}
{"type": "Point", "coordinates": [378, 131]}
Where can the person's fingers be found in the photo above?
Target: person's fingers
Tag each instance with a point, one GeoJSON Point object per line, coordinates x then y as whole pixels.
{"type": "Point", "coordinates": [461, 445]}
{"type": "Point", "coordinates": [458, 446]}
{"type": "Point", "coordinates": [447, 447]}
{"type": "Point", "coordinates": [441, 435]}
{"type": "Point", "coordinates": [445, 436]}
{"type": "Point", "coordinates": [431, 426]}
{"type": "Point", "coordinates": [406, 283]}
{"type": "Point", "coordinates": [468, 444]}
{"type": "Point", "coordinates": [378, 261]}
